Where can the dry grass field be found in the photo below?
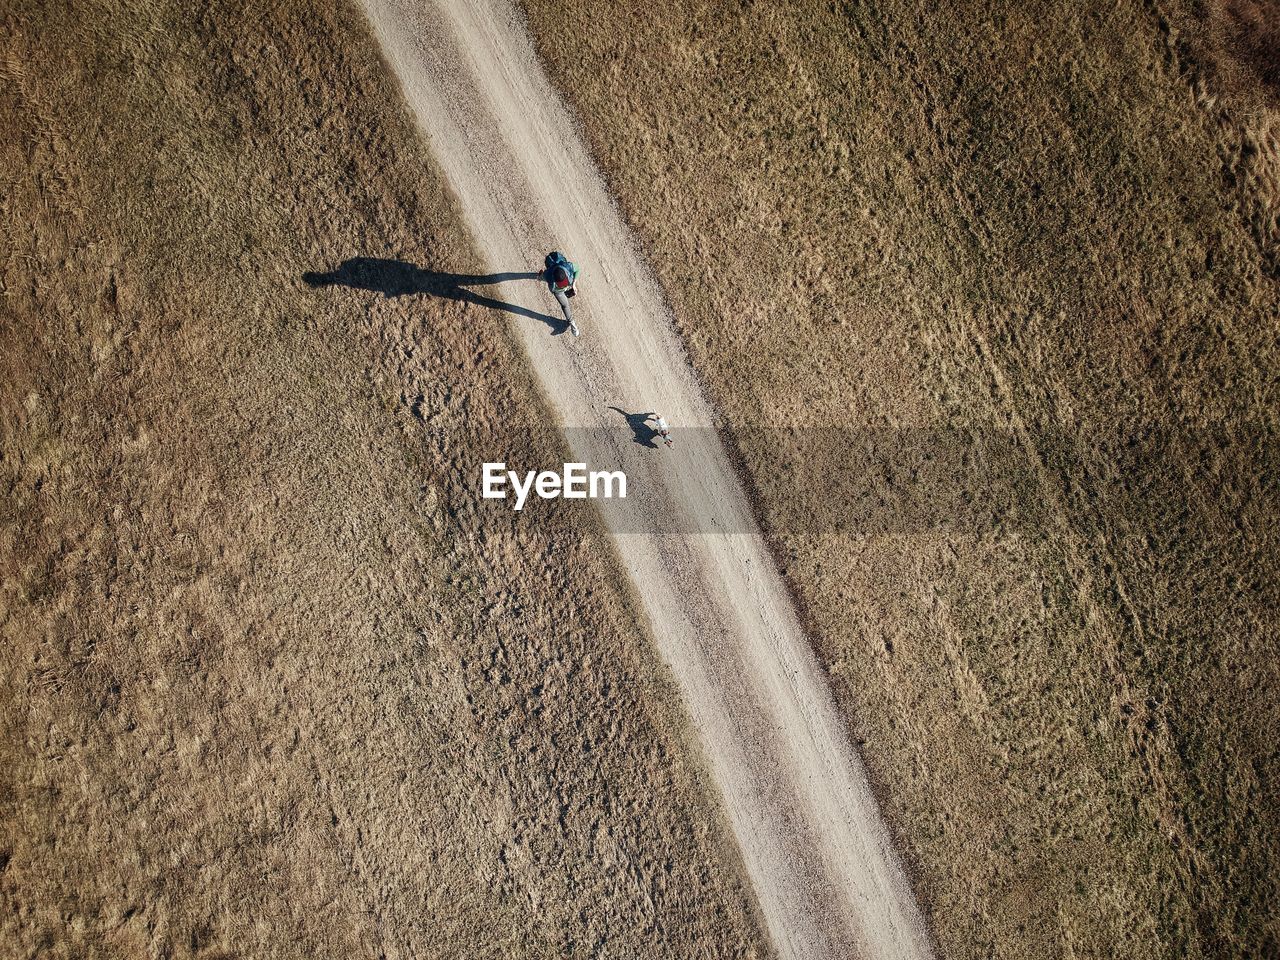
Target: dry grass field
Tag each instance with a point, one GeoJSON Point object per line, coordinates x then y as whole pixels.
{"type": "Point", "coordinates": [273, 683]}
{"type": "Point", "coordinates": [1035, 243]}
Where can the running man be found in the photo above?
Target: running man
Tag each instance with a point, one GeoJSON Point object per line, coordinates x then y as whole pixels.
{"type": "Point", "coordinates": [661, 428]}
{"type": "Point", "coordinates": [561, 275]}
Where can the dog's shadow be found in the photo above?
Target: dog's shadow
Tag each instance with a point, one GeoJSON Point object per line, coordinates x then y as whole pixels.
{"type": "Point", "coordinates": [641, 432]}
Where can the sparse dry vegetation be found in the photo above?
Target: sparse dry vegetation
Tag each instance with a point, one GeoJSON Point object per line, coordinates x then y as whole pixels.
{"type": "Point", "coordinates": [1039, 228]}
{"type": "Point", "coordinates": [273, 685]}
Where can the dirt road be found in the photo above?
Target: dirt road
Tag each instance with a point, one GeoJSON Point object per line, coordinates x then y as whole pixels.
{"type": "Point", "coordinates": [814, 846]}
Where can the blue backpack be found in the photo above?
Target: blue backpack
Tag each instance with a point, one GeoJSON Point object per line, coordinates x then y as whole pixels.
{"type": "Point", "coordinates": [557, 259]}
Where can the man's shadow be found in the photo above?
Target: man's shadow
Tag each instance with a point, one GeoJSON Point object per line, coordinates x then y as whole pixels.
{"type": "Point", "coordinates": [642, 433]}
{"type": "Point", "coordinates": [396, 278]}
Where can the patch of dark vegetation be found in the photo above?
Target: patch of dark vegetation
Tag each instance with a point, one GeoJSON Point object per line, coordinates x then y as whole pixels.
{"type": "Point", "coordinates": [1242, 46]}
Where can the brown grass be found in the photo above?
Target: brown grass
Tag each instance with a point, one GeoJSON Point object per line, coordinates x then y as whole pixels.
{"type": "Point", "coordinates": [1238, 42]}
{"type": "Point", "coordinates": [1033, 228]}
{"type": "Point", "coordinates": [272, 683]}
